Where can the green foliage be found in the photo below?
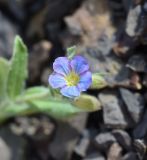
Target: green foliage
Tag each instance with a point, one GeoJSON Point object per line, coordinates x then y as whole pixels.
{"type": "Point", "coordinates": [18, 70]}
{"type": "Point", "coordinates": [59, 109]}
{"type": "Point", "coordinates": [71, 52]}
{"type": "Point", "coordinates": [15, 100]}
{"type": "Point", "coordinates": [34, 93]}
{"type": "Point", "coordinates": [4, 69]}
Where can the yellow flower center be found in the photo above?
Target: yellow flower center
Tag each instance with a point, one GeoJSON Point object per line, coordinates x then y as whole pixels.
{"type": "Point", "coordinates": [72, 79]}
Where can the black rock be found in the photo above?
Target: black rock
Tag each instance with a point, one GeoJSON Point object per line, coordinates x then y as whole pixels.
{"type": "Point", "coordinates": [95, 156]}
{"type": "Point", "coordinates": [66, 137]}
{"type": "Point", "coordinates": [130, 156]}
{"type": "Point", "coordinates": [113, 113]}
{"type": "Point", "coordinates": [141, 129]}
{"type": "Point", "coordinates": [133, 20]}
{"type": "Point", "coordinates": [7, 34]}
{"type": "Point", "coordinates": [134, 104]}
{"type": "Point", "coordinates": [82, 146]}
{"type": "Point", "coordinates": [140, 148]}
{"type": "Point", "coordinates": [104, 140]}
{"type": "Point", "coordinates": [137, 63]}
{"type": "Point", "coordinates": [12, 147]}
{"type": "Point", "coordinates": [123, 138]}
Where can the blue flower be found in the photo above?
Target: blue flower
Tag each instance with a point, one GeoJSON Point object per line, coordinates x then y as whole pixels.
{"type": "Point", "coordinates": [71, 76]}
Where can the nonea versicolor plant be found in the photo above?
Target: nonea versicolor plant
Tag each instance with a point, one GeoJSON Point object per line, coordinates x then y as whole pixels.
{"type": "Point", "coordinates": [71, 76]}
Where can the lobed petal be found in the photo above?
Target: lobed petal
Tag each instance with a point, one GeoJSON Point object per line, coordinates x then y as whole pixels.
{"type": "Point", "coordinates": [79, 64]}
{"type": "Point", "coordinates": [56, 80]}
{"type": "Point", "coordinates": [85, 81]}
{"type": "Point", "coordinates": [62, 66]}
{"type": "Point", "coordinates": [70, 92]}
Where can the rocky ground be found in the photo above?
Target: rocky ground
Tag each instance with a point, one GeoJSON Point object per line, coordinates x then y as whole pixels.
{"type": "Point", "coordinates": [112, 36]}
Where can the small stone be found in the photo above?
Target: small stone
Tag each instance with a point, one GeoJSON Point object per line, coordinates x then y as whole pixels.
{"type": "Point", "coordinates": [141, 129]}
{"type": "Point", "coordinates": [114, 152]}
{"type": "Point", "coordinates": [140, 147]}
{"type": "Point", "coordinates": [33, 127]}
{"type": "Point", "coordinates": [36, 62]}
{"type": "Point", "coordinates": [137, 63]}
{"type": "Point", "coordinates": [145, 80]}
{"type": "Point", "coordinates": [130, 156]}
{"type": "Point", "coordinates": [5, 152]}
{"type": "Point", "coordinates": [82, 146]}
{"type": "Point", "coordinates": [11, 146]}
{"type": "Point", "coordinates": [132, 20]}
{"type": "Point", "coordinates": [66, 137]}
{"type": "Point", "coordinates": [7, 34]}
{"type": "Point", "coordinates": [104, 140]}
{"type": "Point", "coordinates": [113, 110]}
{"type": "Point", "coordinates": [134, 104]}
{"type": "Point", "coordinates": [95, 156]}
{"type": "Point", "coordinates": [123, 138]}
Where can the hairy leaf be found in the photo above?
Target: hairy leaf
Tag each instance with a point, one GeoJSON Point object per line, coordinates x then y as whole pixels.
{"type": "Point", "coordinates": [11, 109]}
{"type": "Point", "coordinates": [56, 109]}
{"type": "Point", "coordinates": [18, 69]}
{"type": "Point", "coordinates": [4, 69]}
{"type": "Point", "coordinates": [34, 93]}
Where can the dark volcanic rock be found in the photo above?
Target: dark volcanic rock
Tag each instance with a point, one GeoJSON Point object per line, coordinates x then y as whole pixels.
{"type": "Point", "coordinates": [82, 146]}
{"type": "Point", "coordinates": [140, 148]}
{"type": "Point", "coordinates": [60, 8]}
{"type": "Point", "coordinates": [134, 104]}
{"type": "Point", "coordinates": [123, 138]}
{"type": "Point", "coordinates": [66, 137]}
{"type": "Point", "coordinates": [11, 146]}
{"type": "Point", "coordinates": [113, 110]}
{"type": "Point", "coordinates": [137, 63]}
{"type": "Point", "coordinates": [37, 61]}
{"type": "Point", "coordinates": [132, 20]}
{"type": "Point", "coordinates": [5, 152]}
{"type": "Point", "coordinates": [145, 80]}
{"type": "Point", "coordinates": [104, 140]}
{"type": "Point", "coordinates": [64, 141]}
{"type": "Point", "coordinates": [130, 156]}
{"type": "Point", "coordinates": [95, 156]}
{"type": "Point", "coordinates": [7, 34]}
{"type": "Point", "coordinates": [141, 129]}
{"type": "Point", "coordinates": [39, 132]}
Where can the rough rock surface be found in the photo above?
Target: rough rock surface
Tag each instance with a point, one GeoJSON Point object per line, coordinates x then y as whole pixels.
{"type": "Point", "coordinates": [134, 104]}
{"type": "Point", "coordinates": [113, 110]}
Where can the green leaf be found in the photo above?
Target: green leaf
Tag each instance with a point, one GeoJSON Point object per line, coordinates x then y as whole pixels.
{"type": "Point", "coordinates": [34, 93]}
{"type": "Point", "coordinates": [12, 109]}
{"type": "Point", "coordinates": [87, 103]}
{"type": "Point", "coordinates": [18, 69]}
{"type": "Point", "coordinates": [4, 69]}
{"type": "Point", "coordinates": [55, 108]}
{"type": "Point", "coordinates": [71, 52]}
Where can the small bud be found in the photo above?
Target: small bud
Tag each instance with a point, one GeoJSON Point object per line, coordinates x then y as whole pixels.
{"type": "Point", "coordinates": [98, 81]}
{"type": "Point", "coordinates": [87, 103]}
{"type": "Point", "coordinates": [71, 52]}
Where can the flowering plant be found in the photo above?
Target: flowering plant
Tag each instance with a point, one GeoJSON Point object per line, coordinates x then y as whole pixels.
{"type": "Point", "coordinates": [71, 75]}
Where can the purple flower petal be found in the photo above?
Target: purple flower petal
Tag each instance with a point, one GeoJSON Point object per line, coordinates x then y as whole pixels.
{"type": "Point", "coordinates": [61, 65]}
{"type": "Point", "coordinates": [70, 92]}
{"type": "Point", "coordinates": [85, 81]}
{"type": "Point", "coordinates": [79, 64]}
{"type": "Point", "coordinates": [56, 80]}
